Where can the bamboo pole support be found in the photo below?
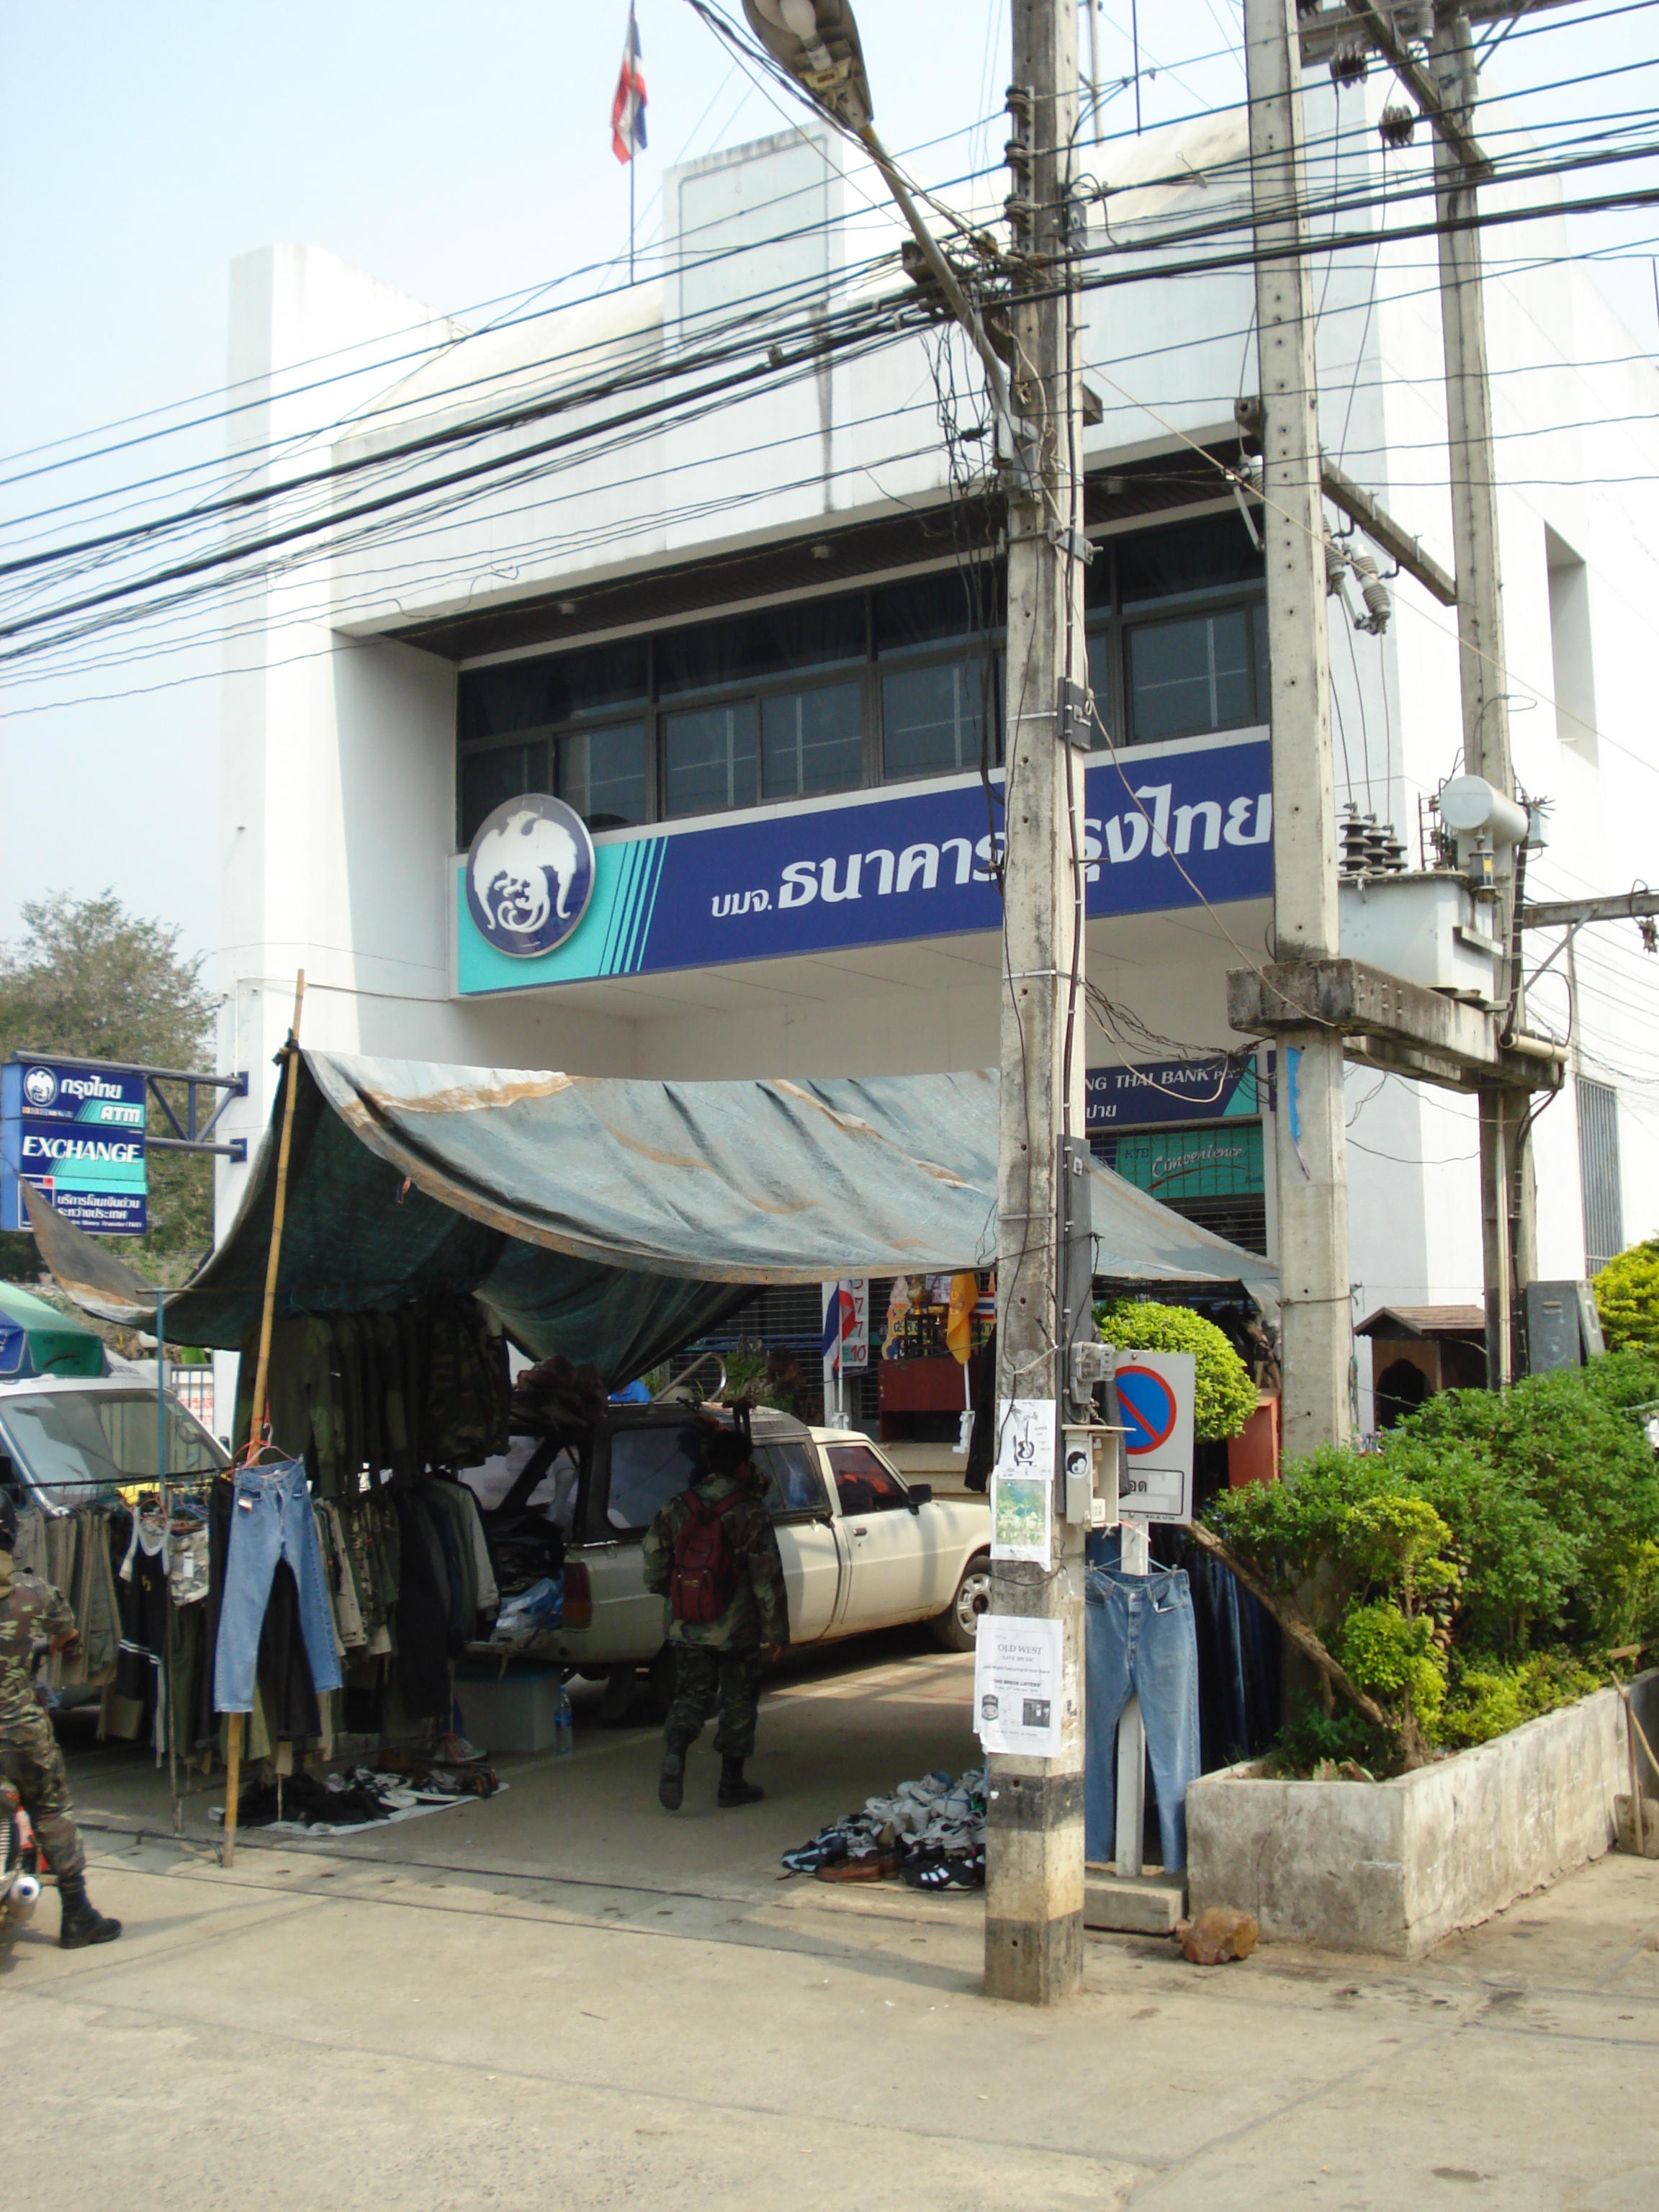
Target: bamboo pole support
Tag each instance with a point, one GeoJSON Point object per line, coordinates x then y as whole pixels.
{"type": "Point", "coordinates": [290, 1054]}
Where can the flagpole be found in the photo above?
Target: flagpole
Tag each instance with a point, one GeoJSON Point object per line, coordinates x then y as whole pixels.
{"type": "Point", "coordinates": [630, 214]}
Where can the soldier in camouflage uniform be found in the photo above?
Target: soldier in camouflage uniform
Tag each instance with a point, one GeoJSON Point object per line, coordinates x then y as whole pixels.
{"type": "Point", "coordinates": [29, 1756]}
{"type": "Point", "coordinates": [718, 1664]}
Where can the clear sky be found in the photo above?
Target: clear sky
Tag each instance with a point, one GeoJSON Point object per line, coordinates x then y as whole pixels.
{"type": "Point", "coordinates": [462, 155]}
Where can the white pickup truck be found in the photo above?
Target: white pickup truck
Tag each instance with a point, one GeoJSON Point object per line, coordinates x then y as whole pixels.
{"type": "Point", "coordinates": [862, 1548]}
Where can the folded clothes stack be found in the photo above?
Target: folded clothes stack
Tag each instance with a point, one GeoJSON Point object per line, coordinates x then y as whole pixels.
{"type": "Point", "coordinates": [531, 1613]}
{"type": "Point", "coordinates": [930, 1831]}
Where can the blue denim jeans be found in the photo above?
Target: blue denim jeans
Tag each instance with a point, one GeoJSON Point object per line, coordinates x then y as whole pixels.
{"type": "Point", "coordinates": [271, 1519]}
{"type": "Point", "coordinates": [1140, 1637]}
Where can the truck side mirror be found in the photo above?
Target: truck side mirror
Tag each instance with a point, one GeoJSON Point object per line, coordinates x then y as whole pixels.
{"type": "Point", "coordinates": [918, 1494]}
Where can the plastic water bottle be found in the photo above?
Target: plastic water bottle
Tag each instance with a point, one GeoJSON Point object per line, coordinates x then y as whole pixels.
{"type": "Point", "coordinates": [564, 1726]}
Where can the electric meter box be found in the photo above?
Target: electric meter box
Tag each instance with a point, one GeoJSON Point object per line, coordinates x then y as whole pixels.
{"type": "Point", "coordinates": [1090, 1460]}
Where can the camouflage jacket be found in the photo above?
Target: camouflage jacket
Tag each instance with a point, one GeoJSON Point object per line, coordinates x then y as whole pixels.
{"type": "Point", "coordinates": [759, 1609]}
{"type": "Point", "coordinates": [30, 1611]}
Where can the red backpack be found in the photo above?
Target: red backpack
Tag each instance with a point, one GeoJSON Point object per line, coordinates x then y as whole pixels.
{"type": "Point", "coordinates": [705, 1565]}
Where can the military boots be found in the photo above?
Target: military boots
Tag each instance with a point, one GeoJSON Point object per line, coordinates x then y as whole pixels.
{"type": "Point", "coordinates": [733, 1789]}
{"type": "Point", "coordinates": [83, 1922]}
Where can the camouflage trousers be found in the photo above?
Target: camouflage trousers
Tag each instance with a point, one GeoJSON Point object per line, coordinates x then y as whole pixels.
{"type": "Point", "coordinates": [707, 1680]}
{"type": "Point", "coordinates": [30, 1758]}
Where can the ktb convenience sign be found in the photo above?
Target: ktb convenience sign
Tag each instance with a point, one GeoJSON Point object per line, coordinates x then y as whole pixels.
{"type": "Point", "coordinates": [77, 1134]}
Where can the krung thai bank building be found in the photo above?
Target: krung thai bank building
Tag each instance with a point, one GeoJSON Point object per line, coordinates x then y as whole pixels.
{"type": "Point", "coordinates": [716, 560]}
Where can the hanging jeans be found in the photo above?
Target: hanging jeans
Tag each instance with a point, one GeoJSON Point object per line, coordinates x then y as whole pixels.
{"type": "Point", "coordinates": [1139, 1639]}
{"type": "Point", "coordinates": [271, 1519]}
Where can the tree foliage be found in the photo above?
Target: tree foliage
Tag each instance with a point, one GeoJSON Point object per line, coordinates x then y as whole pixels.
{"type": "Point", "coordinates": [90, 981]}
{"type": "Point", "coordinates": [1467, 1571]}
{"type": "Point", "coordinates": [1627, 1299]}
{"type": "Point", "coordinates": [1224, 1394]}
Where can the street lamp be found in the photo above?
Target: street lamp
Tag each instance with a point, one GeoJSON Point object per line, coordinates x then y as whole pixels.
{"type": "Point", "coordinates": [817, 42]}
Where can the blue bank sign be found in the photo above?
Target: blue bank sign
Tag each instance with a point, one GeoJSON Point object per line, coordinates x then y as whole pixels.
{"type": "Point", "coordinates": [1166, 832]}
{"type": "Point", "coordinates": [77, 1134]}
{"type": "Point", "coordinates": [1157, 1092]}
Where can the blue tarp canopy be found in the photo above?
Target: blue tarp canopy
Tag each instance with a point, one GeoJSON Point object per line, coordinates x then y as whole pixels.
{"type": "Point", "coordinates": [609, 1219]}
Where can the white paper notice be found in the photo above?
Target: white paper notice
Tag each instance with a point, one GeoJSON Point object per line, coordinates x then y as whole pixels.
{"type": "Point", "coordinates": [1022, 1480]}
{"type": "Point", "coordinates": [1017, 1684]}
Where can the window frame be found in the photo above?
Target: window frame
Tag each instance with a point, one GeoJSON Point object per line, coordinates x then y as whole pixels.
{"type": "Point", "coordinates": [976, 651]}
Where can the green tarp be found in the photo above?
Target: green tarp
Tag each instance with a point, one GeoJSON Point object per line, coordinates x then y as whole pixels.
{"type": "Point", "coordinates": [616, 1220]}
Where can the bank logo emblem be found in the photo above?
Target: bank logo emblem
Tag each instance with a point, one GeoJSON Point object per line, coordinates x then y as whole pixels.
{"type": "Point", "coordinates": [530, 875]}
{"type": "Point", "coordinates": [40, 1087]}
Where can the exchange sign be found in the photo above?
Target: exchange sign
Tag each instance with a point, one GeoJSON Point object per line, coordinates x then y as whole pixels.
{"type": "Point", "coordinates": [77, 1133]}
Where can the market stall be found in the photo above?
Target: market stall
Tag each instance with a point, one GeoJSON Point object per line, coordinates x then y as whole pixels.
{"type": "Point", "coordinates": [431, 1215]}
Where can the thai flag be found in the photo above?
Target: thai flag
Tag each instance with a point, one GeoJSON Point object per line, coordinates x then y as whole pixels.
{"type": "Point", "coordinates": [839, 1319]}
{"type": "Point", "coordinates": [627, 108]}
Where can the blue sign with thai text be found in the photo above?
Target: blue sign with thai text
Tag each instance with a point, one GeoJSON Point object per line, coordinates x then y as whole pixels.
{"type": "Point", "coordinates": [1149, 1093]}
{"type": "Point", "coordinates": [77, 1133]}
{"type": "Point", "coordinates": [1177, 830]}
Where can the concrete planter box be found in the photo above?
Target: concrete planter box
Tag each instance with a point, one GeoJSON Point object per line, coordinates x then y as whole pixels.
{"type": "Point", "coordinates": [1395, 1866]}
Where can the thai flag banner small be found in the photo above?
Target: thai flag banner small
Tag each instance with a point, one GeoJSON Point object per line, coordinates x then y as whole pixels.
{"type": "Point", "coordinates": [627, 108]}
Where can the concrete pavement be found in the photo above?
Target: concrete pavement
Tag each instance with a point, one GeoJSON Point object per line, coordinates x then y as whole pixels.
{"type": "Point", "coordinates": [563, 1996]}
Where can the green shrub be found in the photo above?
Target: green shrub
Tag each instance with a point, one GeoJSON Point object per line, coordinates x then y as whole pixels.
{"type": "Point", "coordinates": [1224, 1395]}
{"type": "Point", "coordinates": [1395, 1658]}
{"type": "Point", "coordinates": [1486, 1699]}
{"type": "Point", "coordinates": [1627, 1299]}
{"type": "Point", "coordinates": [1472, 1572]}
{"type": "Point", "coordinates": [1313, 1738]}
{"type": "Point", "coordinates": [1551, 1490]}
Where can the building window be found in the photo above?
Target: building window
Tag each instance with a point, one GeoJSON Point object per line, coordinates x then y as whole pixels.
{"type": "Point", "coordinates": [1193, 675]}
{"type": "Point", "coordinates": [1599, 1182]}
{"type": "Point", "coordinates": [812, 741]}
{"type": "Point", "coordinates": [489, 778]}
{"type": "Point", "coordinates": [932, 720]}
{"type": "Point", "coordinates": [602, 774]}
{"type": "Point", "coordinates": [897, 681]}
{"type": "Point", "coordinates": [709, 759]}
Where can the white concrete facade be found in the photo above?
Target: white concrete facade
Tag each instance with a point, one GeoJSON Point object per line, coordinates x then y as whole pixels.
{"type": "Point", "coordinates": [339, 774]}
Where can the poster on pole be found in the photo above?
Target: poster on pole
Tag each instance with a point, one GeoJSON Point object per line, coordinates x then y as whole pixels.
{"type": "Point", "coordinates": [1017, 1684]}
{"type": "Point", "coordinates": [1022, 1481]}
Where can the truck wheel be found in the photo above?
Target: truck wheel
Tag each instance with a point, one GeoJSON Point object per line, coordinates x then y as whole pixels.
{"type": "Point", "coordinates": [620, 1688]}
{"type": "Point", "coordinates": [955, 1626]}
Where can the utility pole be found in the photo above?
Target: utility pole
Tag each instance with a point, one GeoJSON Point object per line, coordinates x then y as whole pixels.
{"type": "Point", "coordinates": [1034, 1856]}
{"type": "Point", "coordinates": [1310, 1123]}
{"type": "Point", "coordinates": [1034, 1863]}
{"type": "Point", "coordinates": [1508, 1209]}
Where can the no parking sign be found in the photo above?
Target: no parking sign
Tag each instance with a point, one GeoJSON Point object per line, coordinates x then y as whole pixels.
{"type": "Point", "coordinates": [1155, 1391]}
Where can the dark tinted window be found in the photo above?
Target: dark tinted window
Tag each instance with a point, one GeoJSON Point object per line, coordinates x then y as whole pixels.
{"type": "Point", "coordinates": [864, 1482]}
{"type": "Point", "coordinates": [932, 610]}
{"type": "Point", "coordinates": [772, 642]}
{"type": "Point", "coordinates": [1191, 556]}
{"type": "Point", "coordinates": [503, 772]}
{"type": "Point", "coordinates": [523, 693]}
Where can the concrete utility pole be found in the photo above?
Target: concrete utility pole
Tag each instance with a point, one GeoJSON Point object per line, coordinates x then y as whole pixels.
{"type": "Point", "coordinates": [1508, 1212]}
{"type": "Point", "coordinates": [1034, 1860]}
{"type": "Point", "coordinates": [1311, 1145]}
{"type": "Point", "coordinates": [1034, 1868]}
